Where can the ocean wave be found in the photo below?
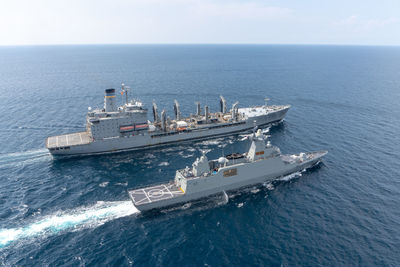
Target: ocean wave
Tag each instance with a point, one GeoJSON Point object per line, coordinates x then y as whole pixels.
{"type": "Point", "coordinates": [104, 184]}
{"type": "Point", "coordinates": [212, 142]}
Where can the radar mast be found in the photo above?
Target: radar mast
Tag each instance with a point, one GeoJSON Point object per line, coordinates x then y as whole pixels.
{"type": "Point", "coordinates": [125, 90]}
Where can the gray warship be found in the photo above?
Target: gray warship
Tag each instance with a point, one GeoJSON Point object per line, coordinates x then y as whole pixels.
{"type": "Point", "coordinates": [262, 163]}
{"type": "Point", "coordinates": [118, 128]}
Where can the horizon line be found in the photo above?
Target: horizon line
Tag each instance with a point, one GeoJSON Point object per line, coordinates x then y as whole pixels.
{"type": "Point", "coordinates": [166, 44]}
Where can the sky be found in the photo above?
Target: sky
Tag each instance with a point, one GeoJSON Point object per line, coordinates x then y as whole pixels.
{"type": "Point", "coordinates": [346, 22]}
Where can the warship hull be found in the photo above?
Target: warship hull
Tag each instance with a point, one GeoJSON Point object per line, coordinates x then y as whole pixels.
{"type": "Point", "coordinates": [82, 144]}
{"type": "Point", "coordinates": [166, 195]}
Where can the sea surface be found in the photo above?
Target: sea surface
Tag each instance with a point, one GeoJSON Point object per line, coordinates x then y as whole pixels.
{"type": "Point", "coordinates": [76, 212]}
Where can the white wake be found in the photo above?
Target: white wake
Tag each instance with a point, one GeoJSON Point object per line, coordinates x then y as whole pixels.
{"type": "Point", "coordinates": [24, 157]}
{"type": "Point", "coordinates": [81, 218]}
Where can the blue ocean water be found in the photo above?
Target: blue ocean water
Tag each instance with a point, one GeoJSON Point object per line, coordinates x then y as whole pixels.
{"type": "Point", "coordinates": [76, 211]}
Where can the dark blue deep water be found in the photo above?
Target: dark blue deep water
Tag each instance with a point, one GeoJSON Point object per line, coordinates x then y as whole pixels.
{"type": "Point", "coordinates": [76, 211]}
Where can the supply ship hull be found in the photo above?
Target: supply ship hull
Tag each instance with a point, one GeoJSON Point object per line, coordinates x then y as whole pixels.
{"type": "Point", "coordinates": [114, 129]}
{"type": "Point", "coordinates": [83, 144]}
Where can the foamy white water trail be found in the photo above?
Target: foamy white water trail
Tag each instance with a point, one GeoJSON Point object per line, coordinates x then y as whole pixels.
{"type": "Point", "coordinates": [265, 130]}
{"type": "Point", "coordinates": [291, 176]}
{"type": "Point", "coordinates": [23, 157]}
{"type": "Point", "coordinates": [244, 137]}
{"type": "Point", "coordinates": [74, 220]}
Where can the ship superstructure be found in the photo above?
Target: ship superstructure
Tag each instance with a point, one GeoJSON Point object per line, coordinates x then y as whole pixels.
{"type": "Point", "coordinates": [117, 128]}
{"type": "Point", "coordinates": [263, 162]}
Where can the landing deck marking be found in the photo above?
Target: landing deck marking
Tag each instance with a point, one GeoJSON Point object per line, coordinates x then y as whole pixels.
{"type": "Point", "coordinates": [172, 195]}
{"type": "Point", "coordinates": [154, 194]}
{"type": "Point", "coordinates": [145, 193]}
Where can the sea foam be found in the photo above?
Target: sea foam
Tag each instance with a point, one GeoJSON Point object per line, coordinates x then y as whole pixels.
{"type": "Point", "coordinates": [80, 218]}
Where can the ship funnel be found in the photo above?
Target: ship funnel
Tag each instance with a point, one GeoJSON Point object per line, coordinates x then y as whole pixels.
{"type": "Point", "coordinates": [155, 113]}
{"type": "Point", "coordinates": [206, 113]}
{"type": "Point", "coordinates": [235, 111]}
{"type": "Point", "coordinates": [198, 109]}
{"type": "Point", "coordinates": [109, 100]}
{"type": "Point", "coordinates": [163, 121]}
{"type": "Point", "coordinates": [222, 103]}
{"type": "Point", "coordinates": [177, 110]}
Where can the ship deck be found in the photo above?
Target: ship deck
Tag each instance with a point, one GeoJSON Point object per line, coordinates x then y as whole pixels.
{"type": "Point", "coordinates": [154, 193]}
{"type": "Point", "coordinates": [307, 156]}
{"type": "Point", "coordinates": [263, 110]}
{"type": "Point", "coordinates": [67, 140]}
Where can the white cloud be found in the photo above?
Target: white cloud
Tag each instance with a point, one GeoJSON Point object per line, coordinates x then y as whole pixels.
{"type": "Point", "coordinates": [358, 23]}
{"type": "Point", "coordinates": [240, 10]}
{"type": "Point", "coordinates": [132, 21]}
{"type": "Point", "coordinates": [190, 21]}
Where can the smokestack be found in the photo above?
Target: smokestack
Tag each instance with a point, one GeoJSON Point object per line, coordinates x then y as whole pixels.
{"type": "Point", "coordinates": [222, 103]}
{"type": "Point", "coordinates": [198, 109]}
{"type": "Point", "coordinates": [109, 100]}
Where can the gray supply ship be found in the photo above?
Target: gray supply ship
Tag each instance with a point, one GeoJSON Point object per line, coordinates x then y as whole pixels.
{"type": "Point", "coordinates": [126, 127]}
{"type": "Point", "coordinates": [206, 178]}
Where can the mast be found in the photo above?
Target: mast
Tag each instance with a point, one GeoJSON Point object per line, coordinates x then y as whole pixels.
{"type": "Point", "coordinates": [163, 121]}
{"type": "Point", "coordinates": [222, 103]}
{"type": "Point", "coordinates": [235, 111]}
{"type": "Point", "coordinates": [206, 113]}
{"type": "Point", "coordinates": [198, 109]}
{"type": "Point", "coordinates": [177, 110]}
{"type": "Point", "coordinates": [125, 91]}
{"type": "Point", "coordinates": [155, 113]}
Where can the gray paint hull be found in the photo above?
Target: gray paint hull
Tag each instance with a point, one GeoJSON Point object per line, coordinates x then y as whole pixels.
{"type": "Point", "coordinates": [259, 171]}
{"type": "Point", "coordinates": [145, 141]}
